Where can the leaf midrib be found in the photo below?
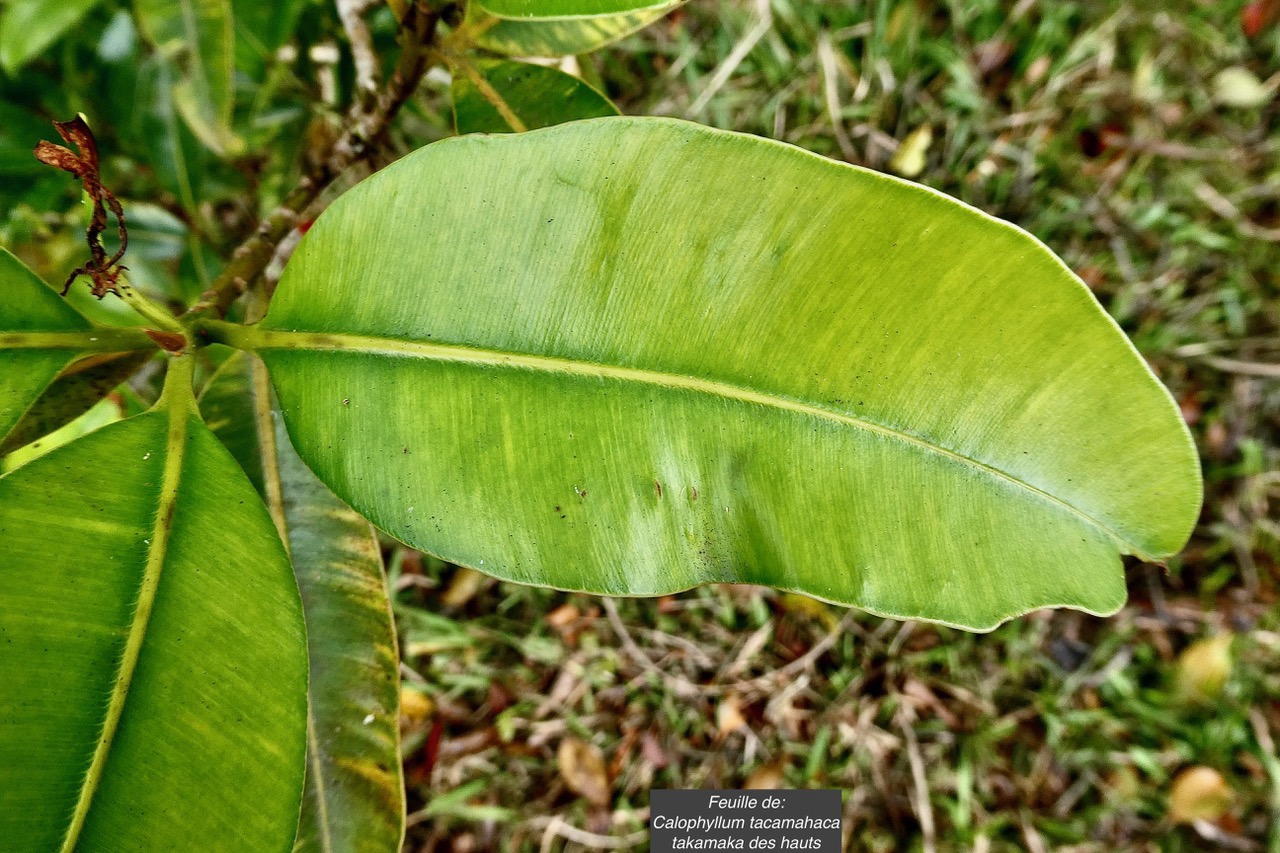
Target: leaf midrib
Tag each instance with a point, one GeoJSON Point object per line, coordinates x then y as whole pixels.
{"type": "Point", "coordinates": [490, 94]}
{"type": "Point", "coordinates": [96, 339]}
{"type": "Point", "coordinates": [179, 417]}
{"type": "Point", "coordinates": [257, 338]}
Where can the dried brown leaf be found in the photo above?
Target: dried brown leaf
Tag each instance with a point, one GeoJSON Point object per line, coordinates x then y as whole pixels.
{"type": "Point", "coordinates": [729, 717]}
{"type": "Point", "coordinates": [767, 776]}
{"type": "Point", "coordinates": [103, 271]}
{"type": "Point", "coordinates": [563, 616]}
{"type": "Point", "coordinates": [1199, 793]}
{"type": "Point", "coordinates": [463, 587]}
{"type": "Point", "coordinates": [582, 769]}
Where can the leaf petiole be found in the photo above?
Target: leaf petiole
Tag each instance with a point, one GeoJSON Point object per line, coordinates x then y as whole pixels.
{"type": "Point", "coordinates": [148, 309]}
{"type": "Point", "coordinates": [97, 339]}
{"type": "Point", "coordinates": [208, 331]}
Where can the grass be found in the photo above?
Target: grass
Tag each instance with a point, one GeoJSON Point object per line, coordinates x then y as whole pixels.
{"type": "Point", "coordinates": [1099, 127]}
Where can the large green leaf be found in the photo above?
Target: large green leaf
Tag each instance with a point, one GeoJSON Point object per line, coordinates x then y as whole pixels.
{"type": "Point", "coordinates": [154, 662]}
{"type": "Point", "coordinates": [27, 27]}
{"type": "Point", "coordinates": [501, 96]}
{"type": "Point", "coordinates": [634, 355]}
{"type": "Point", "coordinates": [558, 27]}
{"type": "Point", "coordinates": [40, 334]}
{"type": "Point", "coordinates": [355, 789]}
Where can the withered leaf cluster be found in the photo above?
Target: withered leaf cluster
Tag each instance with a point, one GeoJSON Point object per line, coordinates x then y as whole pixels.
{"type": "Point", "coordinates": [102, 270]}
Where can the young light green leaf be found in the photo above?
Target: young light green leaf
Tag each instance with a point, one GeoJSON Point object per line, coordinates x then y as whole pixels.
{"type": "Point", "coordinates": [40, 335]}
{"type": "Point", "coordinates": [501, 96]}
{"type": "Point", "coordinates": [201, 34]}
{"type": "Point", "coordinates": [155, 663]}
{"type": "Point", "coordinates": [261, 30]}
{"type": "Point", "coordinates": [558, 28]}
{"type": "Point", "coordinates": [678, 355]}
{"type": "Point", "coordinates": [177, 157]}
{"type": "Point", "coordinates": [355, 788]}
{"type": "Point", "coordinates": [27, 27]}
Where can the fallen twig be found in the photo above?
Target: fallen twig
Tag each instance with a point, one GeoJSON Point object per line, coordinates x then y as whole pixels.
{"type": "Point", "coordinates": [685, 687]}
{"type": "Point", "coordinates": [557, 828]}
{"type": "Point", "coordinates": [1244, 368]}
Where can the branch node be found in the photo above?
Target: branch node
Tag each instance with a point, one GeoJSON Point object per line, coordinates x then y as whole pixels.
{"type": "Point", "coordinates": [367, 122]}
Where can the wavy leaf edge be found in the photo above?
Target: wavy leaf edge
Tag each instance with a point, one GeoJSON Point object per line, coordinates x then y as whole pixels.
{"type": "Point", "coordinates": [262, 337]}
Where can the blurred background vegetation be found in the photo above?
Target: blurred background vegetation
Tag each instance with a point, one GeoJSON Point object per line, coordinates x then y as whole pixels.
{"type": "Point", "coordinates": [1139, 140]}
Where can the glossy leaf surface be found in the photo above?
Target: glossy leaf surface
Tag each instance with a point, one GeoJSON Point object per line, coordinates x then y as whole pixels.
{"type": "Point", "coordinates": [488, 94]}
{"type": "Point", "coordinates": [678, 355]}
{"type": "Point", "coordinates": [30, 305]}
{"type": "Point", "coordinates": [558, 28]}
{"type": "Point", "coordinates": [154, 658]}
{"type": "Point", "coordinates": [40, 334]}
{"type": "Point", "coordinates": [355, 789]}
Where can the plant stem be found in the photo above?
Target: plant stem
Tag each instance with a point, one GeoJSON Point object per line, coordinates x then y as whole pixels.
{"type": "Point", "coordinates": [367, 125]}
{"type": "Point", "coordinates": [149, 310]}
{"type": "Point", "coordinates": [210, 331]}
{"type": "Point", "coordinates": [178, 392]}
